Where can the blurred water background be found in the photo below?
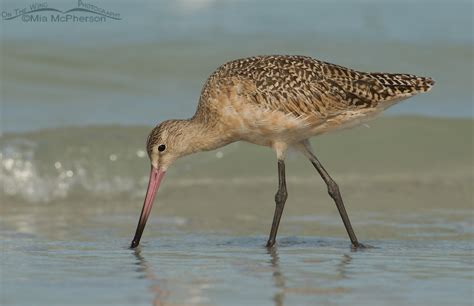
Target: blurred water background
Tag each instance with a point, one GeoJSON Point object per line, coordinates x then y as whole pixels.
{"type": "Point", "coordinates": [77, 102]}
{"type": "Point", "coordinates": [151, 64]}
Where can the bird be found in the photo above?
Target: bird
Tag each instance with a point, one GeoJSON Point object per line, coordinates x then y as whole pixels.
{"type": "Point", "coordinates": [277, 101]}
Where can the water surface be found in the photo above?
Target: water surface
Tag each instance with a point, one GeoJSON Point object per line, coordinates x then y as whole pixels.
{"type": "Point", "coordinates": [68, 216]}
{"type": "Point", "coordinates": [180, 268]}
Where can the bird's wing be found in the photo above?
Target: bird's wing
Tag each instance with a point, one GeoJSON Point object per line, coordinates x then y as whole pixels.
{"type": "Point", "coordinates": [305, 87]}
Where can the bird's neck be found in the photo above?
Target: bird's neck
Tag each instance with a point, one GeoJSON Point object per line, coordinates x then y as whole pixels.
{"type": "Point", "coordinates": [202, 136]}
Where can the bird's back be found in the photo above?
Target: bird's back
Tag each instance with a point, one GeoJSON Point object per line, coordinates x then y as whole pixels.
{"type": "Point", "coordinates": [303, 85]}
{"type": "Point", "coordinates": [314, 92]}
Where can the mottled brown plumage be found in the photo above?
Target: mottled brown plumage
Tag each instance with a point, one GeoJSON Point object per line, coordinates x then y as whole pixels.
{"type": "Point", "coordinates": [287, 99]}
{"type": "Point", "coordinates": [304, 86]}
{"type": "Point", "coordinates": [283, 99]}
{"type": "Point", "coordinates": [277, 101]}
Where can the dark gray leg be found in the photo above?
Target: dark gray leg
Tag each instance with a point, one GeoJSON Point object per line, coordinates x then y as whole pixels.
{"type": "Point", "coordinates": [280, 199]}
{"type": "Point", "coordinates": [333, 191]}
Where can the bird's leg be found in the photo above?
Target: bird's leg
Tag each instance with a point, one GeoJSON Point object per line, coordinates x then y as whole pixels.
{"type": "Point", "coordinates": [280, 199]}
{"type": "Point", "coordinates": [333, 191]}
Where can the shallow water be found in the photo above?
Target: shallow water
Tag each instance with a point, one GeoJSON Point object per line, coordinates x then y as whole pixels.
{"type": "Point", "coordinates": [70, 206]}
{"type": "Point", "coordinates": [68, 216]}
{"type": "Point", "coordinates": [181, 268]}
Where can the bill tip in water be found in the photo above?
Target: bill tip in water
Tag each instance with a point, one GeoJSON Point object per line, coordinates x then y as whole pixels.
{"type": "Point", "coordinates": [134, 244]}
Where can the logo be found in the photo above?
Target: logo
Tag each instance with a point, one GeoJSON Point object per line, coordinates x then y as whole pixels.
{"type": "Point", "coordinates": [41, 12]}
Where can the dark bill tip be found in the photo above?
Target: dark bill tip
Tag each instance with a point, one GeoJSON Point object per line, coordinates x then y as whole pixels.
{"type": "Point", "coordinates": [134, 244]}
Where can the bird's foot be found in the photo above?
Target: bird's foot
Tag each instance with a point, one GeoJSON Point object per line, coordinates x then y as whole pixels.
{"type": "Point", "coordinates": [359, 246]}
{"type": "Point", "coordinates": [270, 244]}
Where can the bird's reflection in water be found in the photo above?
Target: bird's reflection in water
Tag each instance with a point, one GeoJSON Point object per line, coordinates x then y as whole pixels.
{"type": "Point", "coordinates": [342, 266]}
{"type": "Point", "coordinates": [156, 288]}
{"type": "Point", "coordinates": [280, 280]}
{"type": "Point", "coordinates": [161, 294]}
{"type": "Point", "coordinates": [278, 277]}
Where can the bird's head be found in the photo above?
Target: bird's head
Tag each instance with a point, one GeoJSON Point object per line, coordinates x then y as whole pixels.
{"type": "Point", "coordinates": [169, 141]}
{"type": "Point", "coordinates": [166, 142]}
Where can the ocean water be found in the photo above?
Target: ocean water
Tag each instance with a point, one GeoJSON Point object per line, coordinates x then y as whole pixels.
{"type": "Point", "coordinates": [151, 65]}
{"type": "Point", "coordinates": [78, 100]}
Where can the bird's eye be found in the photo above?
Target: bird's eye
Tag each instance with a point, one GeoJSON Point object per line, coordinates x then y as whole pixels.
{"type": "Point", "coordinates": [161, 147]}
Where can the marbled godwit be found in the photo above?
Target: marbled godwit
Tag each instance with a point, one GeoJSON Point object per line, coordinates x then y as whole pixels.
{"type": "Point", "coordinates": [276, 101]}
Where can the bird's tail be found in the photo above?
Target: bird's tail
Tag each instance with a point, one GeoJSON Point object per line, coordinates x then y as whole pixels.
{"type": "Point", "coordinates": [399, 86]}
